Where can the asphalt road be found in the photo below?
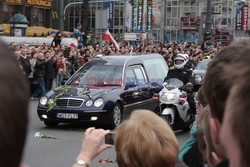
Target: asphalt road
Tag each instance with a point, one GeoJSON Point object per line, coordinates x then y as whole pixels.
{"type": "Point", "coordinates": [62, 151]}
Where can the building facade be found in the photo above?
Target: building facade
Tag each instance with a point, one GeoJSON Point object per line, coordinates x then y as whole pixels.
{"type": "Point", "coordinates": [102, 15]}
{"type": "Point", "coordinates": [183, 19]}
{"type": "Point", "coordinates": [37, 12]}
{"type": "Point", "coordinates": [169, 20]}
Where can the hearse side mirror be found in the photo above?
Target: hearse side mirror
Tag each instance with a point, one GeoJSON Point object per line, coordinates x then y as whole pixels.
{"type": "Point", "coordinates": [130, 85]}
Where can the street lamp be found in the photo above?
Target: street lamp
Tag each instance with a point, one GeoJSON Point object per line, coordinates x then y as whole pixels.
{"type": "Point", "coordinates": [208, 24]}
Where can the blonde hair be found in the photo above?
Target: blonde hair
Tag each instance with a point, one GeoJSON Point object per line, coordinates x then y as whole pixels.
{"type": "Point", "coordinates": [145, 140]}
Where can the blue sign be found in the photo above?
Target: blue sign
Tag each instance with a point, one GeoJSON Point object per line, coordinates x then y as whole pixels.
{"type": "Point", "coordinates": [110, 7]}
{"type": "Point", "coordinates": [239, 11]}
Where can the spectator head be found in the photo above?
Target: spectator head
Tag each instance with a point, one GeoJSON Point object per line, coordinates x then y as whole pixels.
{"type": "Point", "coordinates": [79, 26]}
{"type": "Point", "coordinates": [24, 52]}
{"type": "Point", "coordinates": [216, 87]}
{"type": "Point", "coordinates": [40, 56]}
{"type": "Point", "coordinates": [204, 139]}
{"type": "Point", "coordinates": [29, 53]}
{"type": "Point", "coordinates": [145, 140]}
{"type": "Point", "coordinates": [235, 129]}
{"type": "Point", "coordinates": [14, 97]}
{"type": "Point", "coordinates": [53, 33]}
{"type": "Point", "coordinates": [35, 56]}
{"type": "Point", "coordinates": [59, 34]}
{"type": "Point", "coordinates": [47, 54]}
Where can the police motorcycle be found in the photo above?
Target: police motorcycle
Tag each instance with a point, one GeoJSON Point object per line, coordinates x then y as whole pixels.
{"type": "Point", "coordinates": [174, 106]}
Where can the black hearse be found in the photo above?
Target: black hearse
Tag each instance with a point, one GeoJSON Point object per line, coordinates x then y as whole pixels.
{"type": "Point", "coordinates": [105, 90]}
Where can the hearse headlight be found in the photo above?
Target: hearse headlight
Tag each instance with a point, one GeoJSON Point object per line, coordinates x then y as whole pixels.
{"type": "Point", "coordinates": [89, 103]}
{"type": "Point", "coordinates": [98, 102]}
{"type": "Point", "coordinates": [43, 100]}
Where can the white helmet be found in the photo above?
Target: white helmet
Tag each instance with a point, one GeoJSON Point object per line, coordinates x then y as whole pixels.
{"type": "Point", "coordinates": [99, 55]}
{"type": "Point", "coordinates": [184, 58]}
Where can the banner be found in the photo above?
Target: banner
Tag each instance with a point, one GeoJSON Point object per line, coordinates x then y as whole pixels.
{"type": "Point", "coordinates": [110, 7]}
{"type": "Point", "coordinates": [156, 7]}
{"type": "Point", "coordinates": [239, 8]}
{"type": "Point", "coordinates": [135, 15]}
{"type": "Point", "coordinates": [245, 18]}
{"type": "Point", "coordinates": [43, 3]}
{"type": "Point", "coordinates": [13, 1]}
{"type": "Point", "coordinates": [128, 18]}
{"type": "Point", "coordinates": [149, 15]}
{"type": "Point", "coordinates": [140, 10]}
{"type": "Point", "coordinates": [144, 14]}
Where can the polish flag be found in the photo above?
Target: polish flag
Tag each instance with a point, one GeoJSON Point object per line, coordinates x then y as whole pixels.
{"type": "Point", "coordinates": [108, 37]}
{"type": "Point", "coordinates": [74, 43]}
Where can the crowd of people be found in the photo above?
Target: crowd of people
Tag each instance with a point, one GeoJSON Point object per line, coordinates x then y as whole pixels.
{"type": "Point", "coordinates": [46, 66]}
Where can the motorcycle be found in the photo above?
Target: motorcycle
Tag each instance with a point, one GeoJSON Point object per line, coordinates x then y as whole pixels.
{"type": "Point", "coordinates": [174, 106]}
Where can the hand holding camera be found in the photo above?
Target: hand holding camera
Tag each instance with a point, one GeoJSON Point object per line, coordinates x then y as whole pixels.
{"type": "Point", "coordinates": [92, 144]}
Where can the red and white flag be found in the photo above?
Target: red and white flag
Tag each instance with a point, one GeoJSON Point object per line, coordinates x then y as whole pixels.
{"type": "Point", "coordinates": [108, 37]}
{"type": "Point", "coordinates": [74, 43]}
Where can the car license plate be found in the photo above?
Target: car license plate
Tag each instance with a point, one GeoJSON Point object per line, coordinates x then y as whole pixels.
{"type": "Point", "coordinates": [67, 116]}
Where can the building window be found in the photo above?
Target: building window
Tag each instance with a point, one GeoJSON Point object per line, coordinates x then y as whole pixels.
{"type": "Point", "coordinates": [93, 22]}
{"type": "Point", "coordinates": [186, 3]}
{"type": "Point", "coordinates": [174, 12]}
{"type": "Point", "coordinates": [116, 21]}
{"type": "Point", "coordinates": [224, 22]}
{"type": "Point", "coordinates": [173, 35]}
{"type": "Point", "coordinates": [121, 21]}
{"type": "Point", "coordinates": [175, 3]}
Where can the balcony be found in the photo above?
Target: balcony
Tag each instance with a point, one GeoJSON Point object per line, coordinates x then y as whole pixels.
{"type": "Point", "coordinates": [189, 23]}
{"type": "Point", "coordinates": [189, 26]}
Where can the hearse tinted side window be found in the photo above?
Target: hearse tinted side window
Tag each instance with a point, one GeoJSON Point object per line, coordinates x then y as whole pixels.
{"type": "Point", "coordinates": [130, 77]}
{"type": "Point", "coordinates": [156, 68]}
{"type": "Point", "coordinates": [139, 76]}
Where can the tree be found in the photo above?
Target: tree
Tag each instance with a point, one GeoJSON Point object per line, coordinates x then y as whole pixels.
{"type": "Point", "coordinates": [85, 16]}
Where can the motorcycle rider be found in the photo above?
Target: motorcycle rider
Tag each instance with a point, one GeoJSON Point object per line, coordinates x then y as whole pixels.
{"type": "Point", "coordinates": [185, 75]}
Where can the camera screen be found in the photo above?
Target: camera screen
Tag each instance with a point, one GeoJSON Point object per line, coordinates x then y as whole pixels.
{"type": "Point", "coordinates": [109, 138]}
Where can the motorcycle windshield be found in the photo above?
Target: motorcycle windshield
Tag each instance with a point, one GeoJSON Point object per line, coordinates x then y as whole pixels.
{"type": "Point", "coordinates": [173, 83]}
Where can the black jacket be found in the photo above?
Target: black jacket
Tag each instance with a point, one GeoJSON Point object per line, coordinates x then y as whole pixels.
{"type": "Point", "coordinates": [50, 69]}
{"type": "Point", "coordinates": [40, 68]}
{"type": "Point", "coordinates": [25, 63]}
{"type": "Point", "coordinates": [184, 76]}
{"type": "Point", "coordinates": [57, 40]}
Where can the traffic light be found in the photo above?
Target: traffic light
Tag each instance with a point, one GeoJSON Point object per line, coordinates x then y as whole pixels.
{"type": "Point", "coordinates": [207, 36]}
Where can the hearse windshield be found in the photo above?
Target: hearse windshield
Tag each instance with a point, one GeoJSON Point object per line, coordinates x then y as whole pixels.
{"type": "Point", "coordinates": [97, 75]}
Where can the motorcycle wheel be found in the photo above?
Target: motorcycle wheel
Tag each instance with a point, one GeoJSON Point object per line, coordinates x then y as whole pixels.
{"type": "Point", "coordinates": [168, 119]}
